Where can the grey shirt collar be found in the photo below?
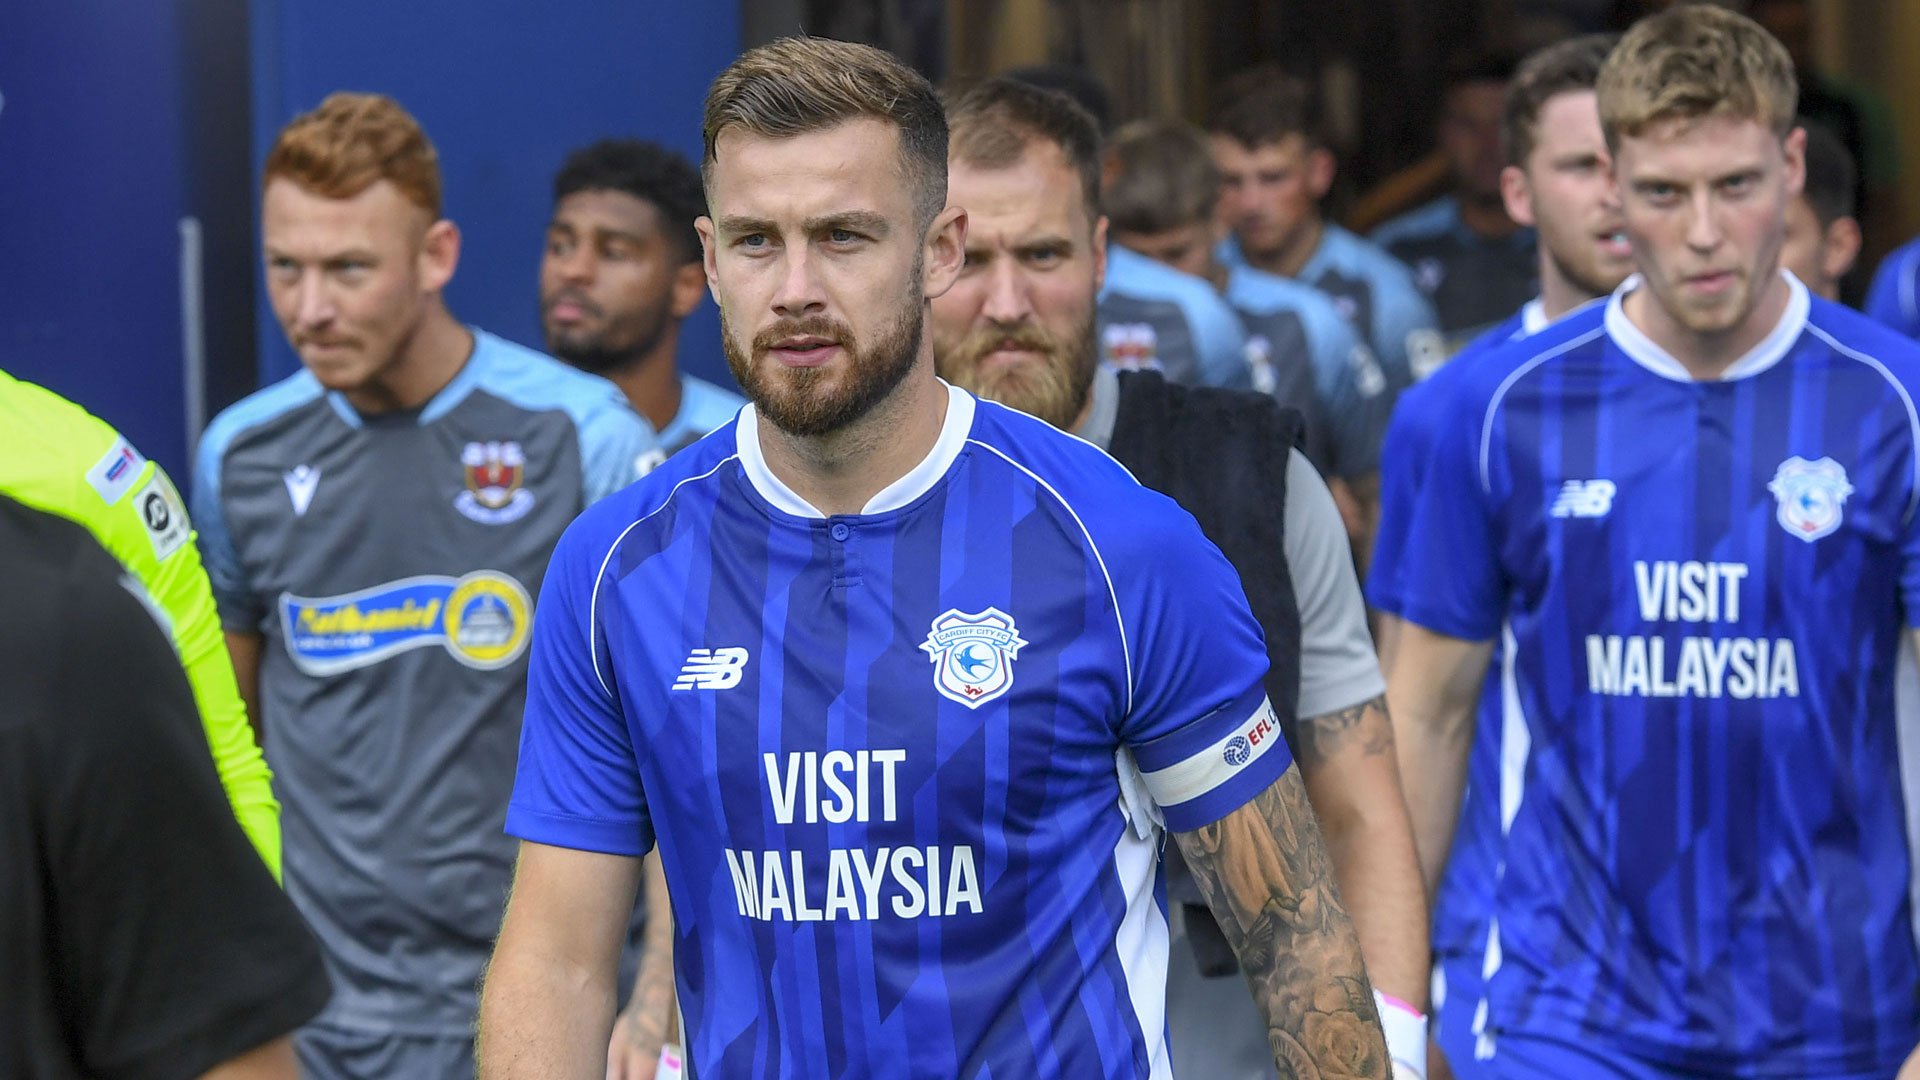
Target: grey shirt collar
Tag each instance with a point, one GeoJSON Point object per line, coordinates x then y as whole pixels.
{"type": "Point", "coordinates": [1098, 429]}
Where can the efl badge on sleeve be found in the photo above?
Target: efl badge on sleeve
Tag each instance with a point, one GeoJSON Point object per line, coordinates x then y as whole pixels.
{"type": "Point", "coordinates": [1811, 494]}
{"type": "Point", "coordinates": [495, 471]}
{"type": "Point", "coordinates": [973, 655]}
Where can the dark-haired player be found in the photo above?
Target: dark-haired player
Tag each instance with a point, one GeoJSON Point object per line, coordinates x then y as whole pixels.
{"type": "Point", "coordinates": [1823, 236]}
{"type": "Point", "coordinates": [620, 272]}
{"type": "Point", "coordinates": [1470, 258]}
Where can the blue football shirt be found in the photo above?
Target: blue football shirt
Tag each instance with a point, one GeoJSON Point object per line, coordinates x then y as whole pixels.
{"type": "Point", "coordinates": [1701, 590]}
{"type": "Point", "coordinates": [903, 765]}
{"type": "Point", "coordinates": [1894, 297]}
{"type": "Point", "coordinates": [1465, 897]}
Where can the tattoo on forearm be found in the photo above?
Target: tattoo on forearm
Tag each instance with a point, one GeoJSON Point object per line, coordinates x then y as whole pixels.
{"type": "Point", "coordinates": [1365, 726]}
{"type": "Point", "coordinates": [1265, 873]}
{"type": "Point", "coordinates": [648, 1017]}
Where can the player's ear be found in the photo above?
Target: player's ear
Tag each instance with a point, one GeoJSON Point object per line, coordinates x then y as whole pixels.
{"type": "Point", "coordinates": [1320, 170]}
{"type": "Point", "coordinates": [1840, 247]}
{"type": "Point", "coordinates": [704, 226]}
{"type": "Point", "coordinates": [439, 255]}
{"type": "Point", "coordinates": [688, 286]}
{"type": "Point", "coordinates": [1794, 149]}
{"type": "Point", "coordinates": [1517, 194]}
{"type": "Point", "coordinates": [946, 250]}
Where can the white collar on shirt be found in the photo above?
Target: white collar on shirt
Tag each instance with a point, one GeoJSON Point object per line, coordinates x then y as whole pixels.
{"type": "Point", "coordinates": [1772, 349]}
{"type": "Point", "coordinates": [917, 482]}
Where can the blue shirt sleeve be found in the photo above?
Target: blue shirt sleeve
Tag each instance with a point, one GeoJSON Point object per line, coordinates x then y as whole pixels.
{"type": "Point", "coordinates": [578, 781]}
{"type": "Point", "coordinates": [617, 447]}
{"type": "Point", "coordinates": [1894, 298]}
{"type": "Point", "coordinates": [1221, 340]}
{"type": "Point", "coordinates": [1200, 727]}
{"type": "Point", "coordinates": [1450, 579]}
{"type": "Point", "coordinates": [1402, 457]}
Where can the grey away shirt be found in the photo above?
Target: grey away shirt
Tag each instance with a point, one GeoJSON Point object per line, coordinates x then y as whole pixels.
{"type": "Point", "coordinates": [1338, 668]}
{"type": "Point", "coordinates": [391, 564]}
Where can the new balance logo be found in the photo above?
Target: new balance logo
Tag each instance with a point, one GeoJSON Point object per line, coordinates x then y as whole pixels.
{"type": "Point", "coordinates": [715, 669]}
{"type": "Point", "coordinates": [1584, 498]}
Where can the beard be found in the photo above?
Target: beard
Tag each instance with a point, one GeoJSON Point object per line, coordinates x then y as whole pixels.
{"type": "Point", "coordinates": [1052, 387]}
{"type": "Point", "coordinates": [811, 402]}
{"type": "Point", "coordinates": [1590, 279]}
{"type": "Point", "coordinates": [596, 353]}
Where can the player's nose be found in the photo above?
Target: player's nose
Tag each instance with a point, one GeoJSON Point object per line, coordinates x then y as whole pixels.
{"type": "Point", "coordinates": [313, 304]}
{"type": "Point", "coordinates": [1009, 297]}
{"type": "Point", "coordinates": [799, 291]}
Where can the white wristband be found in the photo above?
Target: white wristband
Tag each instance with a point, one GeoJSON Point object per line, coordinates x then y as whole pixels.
{"type": "Point", "coordinates": [670, 1063]}
{"type": "Point", "coordinates": [1406, 1029]}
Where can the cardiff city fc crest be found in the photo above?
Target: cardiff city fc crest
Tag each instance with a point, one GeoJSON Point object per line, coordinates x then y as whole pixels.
{"type": "Point", "coordinates": [973, 655]}
{"type": "Point", "coordinates": [495, 471]}
{"type": "Point", "coordinates": [1811, 494]}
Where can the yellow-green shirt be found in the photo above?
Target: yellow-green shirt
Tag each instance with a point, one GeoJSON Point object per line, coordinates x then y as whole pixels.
{"type": "Point", "coordinates": [57, 457]}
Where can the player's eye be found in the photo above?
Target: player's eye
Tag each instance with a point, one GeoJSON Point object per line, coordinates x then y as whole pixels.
{"type": "Point", "coordinates": [1046, 256]}
{"type": "Point", "coordinates": [754, 242]}
{"type": "Point", "coordinates": [842, 237]}
{"type": "Point", "coordinates": [1739, 185]}
{"type": "Point", "coordinates": [975, 260]}
{"type": "Point", "coordinates": [616, 252]}
{"type": "Point", "coordinates": [559, 244]}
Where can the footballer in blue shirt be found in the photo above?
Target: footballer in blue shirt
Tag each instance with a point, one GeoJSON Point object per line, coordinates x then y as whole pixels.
{"type": "Point", "coordinates": [1559, 182]}
{"type": "Point", "coordinates": [1688, 518]}
{"type": "Point", "coordinates": [907, 687]}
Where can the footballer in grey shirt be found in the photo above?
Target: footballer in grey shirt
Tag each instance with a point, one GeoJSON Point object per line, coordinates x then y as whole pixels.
{"type": "Point", "coordinates": [390, 564]}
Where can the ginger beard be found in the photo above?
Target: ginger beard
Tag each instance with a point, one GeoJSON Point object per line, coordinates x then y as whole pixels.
{"type": "Point", "coordinates": [1051, 385]}
{"type": "Point", "coordinates": [810, 402]}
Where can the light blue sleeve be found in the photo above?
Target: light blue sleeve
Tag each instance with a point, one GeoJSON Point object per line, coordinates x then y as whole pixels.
{"type": "Point", "coordinates": [1406, 330]}
{"type": "Point", "coordinates": [1352, 390]}
{"type": "Point", "coordinates": [1894, 298]}
{"type": "Point", "coordinates": [1221, 342]}
{"type": "Point", "coordinates": [617, 447]}
{"type": "Point", "coordinates": [240, 610]}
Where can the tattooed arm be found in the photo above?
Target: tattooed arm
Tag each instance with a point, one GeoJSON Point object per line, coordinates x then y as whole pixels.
{"type": "Point", "coordinates": [648, 1023]}
{"type": "Point", "coordinates": [1346, 759]}
{"type": "Point", "coordinates": [1344, 745]}
{"type": "Point", "coordinates": [1266, 876]}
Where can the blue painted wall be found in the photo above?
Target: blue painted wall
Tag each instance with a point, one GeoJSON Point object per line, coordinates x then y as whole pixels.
{"type": "Point", "coordinates": [504, 88]}
{"type": "Point", "coordinates": [92, 189]}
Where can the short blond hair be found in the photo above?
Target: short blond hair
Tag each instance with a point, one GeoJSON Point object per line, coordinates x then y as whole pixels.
{"type": "Point", "coordinates": [1693, 61]}
{"type": "Point", "coordinates": [351, 142]}
{"type": "Point", "coordinates": [798, 85]}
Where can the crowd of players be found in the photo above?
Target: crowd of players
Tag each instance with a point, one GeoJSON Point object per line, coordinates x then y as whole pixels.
{"type": "Point", "coordinates": [1639, 558]}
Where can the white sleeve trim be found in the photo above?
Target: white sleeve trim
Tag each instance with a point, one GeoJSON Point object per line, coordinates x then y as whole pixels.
{"type": "Point", "coordinates": [1214, 765]}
